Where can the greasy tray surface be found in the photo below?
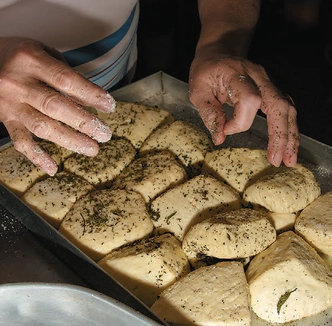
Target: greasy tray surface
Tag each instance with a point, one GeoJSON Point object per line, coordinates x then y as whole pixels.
{"type": "Point", "coordinates": [171, 94]}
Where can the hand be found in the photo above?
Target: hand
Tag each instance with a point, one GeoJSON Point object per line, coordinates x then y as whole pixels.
{"type": "Point", "coordinates": [41, 95]}
{"type": "Point", "coordinates": [217, 79]}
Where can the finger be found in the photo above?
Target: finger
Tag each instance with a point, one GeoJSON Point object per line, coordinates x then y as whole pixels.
{"type": "Point", "coordinates": [277, 135]}
{"type": "Point", "coordinates": [210, 111]}
{"type": "Point", "coordinates": [293, 143]}
{"type": "Point", "coordinates": [61, 108]}
{"type": "Point", "coordinates": [280, 113]}
{"type": "Point", "coordinates": [61, 77]}
{"type": "Point", "coordinates": [24, 143]}
{"type": "Point", "coordinates": [283, 133]}
{"type": "Point", "coordinates": [56, 132]}
{"type": "Point", "coordinates": [246, 100]}
{"type": "Point", "coordinates": [276, 108]}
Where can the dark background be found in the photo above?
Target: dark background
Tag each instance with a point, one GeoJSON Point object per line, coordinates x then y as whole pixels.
{"type": "Point", "coordinates": [293, 41]}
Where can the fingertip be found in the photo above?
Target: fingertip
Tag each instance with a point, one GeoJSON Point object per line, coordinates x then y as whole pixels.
{"type": "Point", "coordinates": [51, 170]}
{"type": "Point", "coordinates": [275, 158]}
{"type": "Point", "coordinates": [218, 138]}
{"type": "Point", "coordinates": [106, 103]}
{"type": "Point", "coordinates": [85, 146]}
{"type": "Point", "coordinates": [101, 131]}
{"type": "Point", "coordinates": [112, 102]}
{"type": "Point", "coordinates": [90, 151]}
{"type": "Point", "coordinates": [47, 164]}
{"type": "Point", "coordinates": [290, 161]}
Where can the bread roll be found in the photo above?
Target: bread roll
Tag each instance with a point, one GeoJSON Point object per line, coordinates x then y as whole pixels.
{"type": "Point", "coordinates": [314, 224]}
{"type": "Point", "coordinates": [231, 235]}
{"type": "Point", "coordinates": [148, 266]}
{"type": "Point", "coordinates": [289, 281]}
{"type": "Point", "coordinates": [104, 220]}
{"type": "Point", "coordinates": [151, 175]}
{"type": "Point", "coordinates": [53, 197]}
{"type": "Point", "coordinates": [286, 191]}
{"type": "Point", "coordinates": [100, 170]}
{"type": "Point", "coordinates": [134, 121]}
{"type": "Point", "coordinates": [185, 140]}
{"type": "Point", "coordinates": [238, 167]}
{"type": "Point", "coordinates": [191, 202]}
{"type": "Point", "coordinates": [18, 174]}
{"type": "Point", "coordinates": [212, 295]}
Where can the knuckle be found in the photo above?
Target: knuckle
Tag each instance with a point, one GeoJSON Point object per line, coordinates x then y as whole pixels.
{"type": "Point", "coordinates": [26, 52]}
{"type": "Point", "coordinates": [40, 128]}
{"type": "Point", "coordinates": [50, 104]}
{"type": "Point", "coordinates": [63, 77]}
{"type": "Point", "coordinates": [8, 84]}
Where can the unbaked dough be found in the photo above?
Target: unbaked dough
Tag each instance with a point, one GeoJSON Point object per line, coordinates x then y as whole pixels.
{"type": "Point", "coordinates": [288, 190]}
{"type": "Point", "coordinates": [238, 167]}
{"type": "Point", "coordinates": [212, 295]}
{"type": "Point", "coordinates": [104, 220]}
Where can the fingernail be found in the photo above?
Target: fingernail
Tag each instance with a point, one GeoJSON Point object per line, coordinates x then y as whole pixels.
{"type": "Point", "coordinates": [276, 159]}
{"type": "Point", "coordinates": [101, 132]}
{"type": "Point", "coordinates": [111, 101]}
{"type": "Point", "coordinates": [88, 149]}
{"type": "Point", "coordinates": [292, 161]}
{"type": "Point", "coordinates": [49, 167]}
{"type": "Point", "coordinates": [108, 102]}
{"type": "Point", "coordinates": [44, 161]}
{"type": "Point", "coordinates": [51, 171]}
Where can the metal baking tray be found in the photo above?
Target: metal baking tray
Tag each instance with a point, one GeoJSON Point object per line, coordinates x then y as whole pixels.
{"type": "Point", "coordinates": [169, 93]}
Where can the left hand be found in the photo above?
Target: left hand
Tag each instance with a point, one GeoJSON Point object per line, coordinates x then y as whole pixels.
{"type": "Point", "coordinates": [216, 79]}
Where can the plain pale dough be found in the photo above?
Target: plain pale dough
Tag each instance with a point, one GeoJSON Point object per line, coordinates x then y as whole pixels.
{"type": "Point", "coordinates": [191, 202]}
{"type": "Point", "coordinates": [314, 224]}
{"type": "Point", "coordinates": [134, 121]}
{"type": "Point", "coordinates": [238, 167]}
{"type": "Point", "coordinates": [100, 170]}
{"type": "Point", "coordinates": [289, 281]}
{"type": "Point", "coordinates": [53, 197]}
{"type": "Point", "coordinates": [212, 295]}
{"type": "Point", "coordinates": [185, 140]}
{"type": "Point", "coordinates": [104, 220]}
{"type": "Point", "coordinates": [148, 266]}
{"type": "Point", "coordinates": [151, 175]}
{"type": "Point", "coordinates": [230, 235]}
{"type": "Point", "coordinates": [281, 221]}
{"type": "Point", "coordinates": [286, 191]}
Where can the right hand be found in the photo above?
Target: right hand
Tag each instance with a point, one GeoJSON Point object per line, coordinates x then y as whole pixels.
{"type": "Point", "coordinates": [41, 95]}
{"type": "Point", "coordinates": [216, 79]}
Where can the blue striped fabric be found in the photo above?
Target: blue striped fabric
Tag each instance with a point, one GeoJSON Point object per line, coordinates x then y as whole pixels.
{"type": "Point", "coordinates": [107, 61]}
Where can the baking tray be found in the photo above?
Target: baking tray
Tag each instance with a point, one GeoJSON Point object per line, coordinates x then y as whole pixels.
{"type": "Point", "coordinates": [170, 94]}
